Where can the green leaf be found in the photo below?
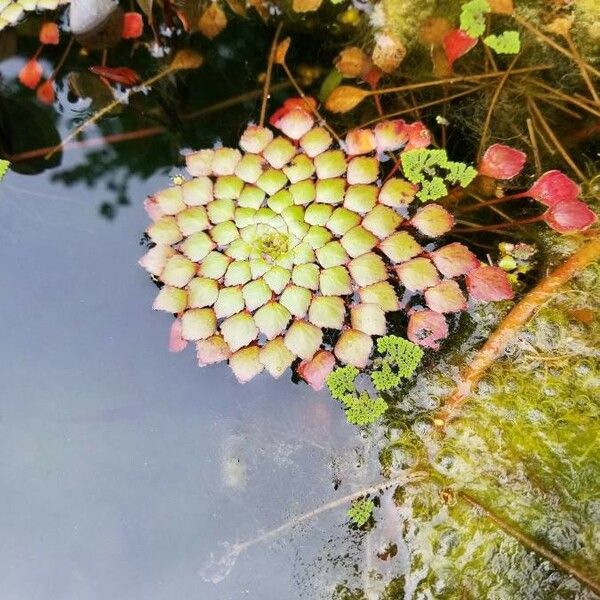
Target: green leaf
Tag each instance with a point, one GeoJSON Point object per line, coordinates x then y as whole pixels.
{"type": "Point", "coordinates": [341, 381]}
{"type": "Point", "coordinates": [360, 511]}
{"type": "Point", "coordinates": [331, 81]}
{"type": "Point", "coordinates": [508, 42]}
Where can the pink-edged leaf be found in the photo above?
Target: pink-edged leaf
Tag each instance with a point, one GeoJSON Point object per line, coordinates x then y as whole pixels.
{"type": "Point", "coordinates": [418, 274]}
{"type": "Point", "coordinates": [445, 297]}
{"type": "Point", "coordinates": [456, 44]}
{"type": "Point", "coordinates": [433, 220]}
{"type": "Point", "coordinates": [502, 162]}
{"type": "Point", "coordinates": [418, 136]}
{"type": "Point", "coordinates": [489, 283]}
{"type": "Point", "coordinates": [426, 328]}
{"type": "Point", "coordinates": [368, 318]}
{"type": "Point", "coordinates": [454, 260]}
{"type": "Point", "coordinates": [294, 123]}
{"type": "Point", "coordinates": [303, 339]}
{"type": "Point", "coordinates": [354, 348]}
{"type": "Point", "coordinates": [553, 187]}
{"type": "Point", "coordinates": [255, 139]}
{"type": "Point", "coordinates": [155, 259]}
{"type": "Point", "coordinates": [245, 363]}
{"type": "Point", "coordinates": [570, 216]}
{"type": "Point", "coordinates": [176, 342]}
{"type": "Point", "coordinates": [276, 357]}
{"type": "Point", "coordinates": [212, 350]}
{"type": "Point", "coordinates": [390, 135]}
{"type": "Point", "coordinates": [316, 370]}
{"type": "Point", "coordinates": [153, 209]}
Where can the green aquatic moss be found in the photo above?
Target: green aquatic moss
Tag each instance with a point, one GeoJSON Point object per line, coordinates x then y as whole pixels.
{"type": "Point", "coordinates": [527, 447]}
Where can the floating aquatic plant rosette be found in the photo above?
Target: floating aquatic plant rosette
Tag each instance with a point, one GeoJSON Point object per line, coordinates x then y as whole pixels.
{"type": "Point", "coordinates": [293, 250]}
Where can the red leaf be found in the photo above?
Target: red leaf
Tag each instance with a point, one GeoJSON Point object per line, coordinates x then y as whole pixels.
{"type": "Point", "coordinates": [569, 216]}
{"type": "Point", "coordinates": [418, 136]}
{"type": "Point", "coordinates": [427, 328]}
{"type": "Point", "coordinates": [31, 74]}
{"type": "Point", "coordinates": [45, 93]}
{"type": "Point", "coordinates": [176, 341]}
{"type": "Point", "coordinates": [553, 187]}
{"type": "Point", "coordinates": [502, 162]}
{"type": "Point", "coordinates": [454, 259]}
{"type": "Point", "coordinates": [122, 75]}
{"type": "Point", "coordinates": [315, 370]}
{"type": "Point", "coordinates": [489, 283]}
{"type": "Point", "coordinates": [456, 44]}
{"type": "Point", "coordinates": [49, 34]}
{"type": "Point", "coordinates": [133, 25]}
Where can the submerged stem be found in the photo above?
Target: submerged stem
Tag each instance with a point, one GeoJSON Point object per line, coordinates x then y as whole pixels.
{"type": "Point", "coordinates": [406, 477]}
{"type": "Point", "coordinates": [532, 544]}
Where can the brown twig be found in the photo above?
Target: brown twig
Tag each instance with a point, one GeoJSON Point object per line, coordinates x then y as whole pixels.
{"type": "Point", "coordinates": [542, 121]}
{"type": "Point", "coordinates": [424, 105]}
{"type": "Point", "coordinates": [580, 102]}
{"type": "Point", "coordinates": [548, 40]}
{"type": "Point", "coordinates": [455, 80]}
{"type": "Point", "coordinates": [493, 102]}
{"type": "Point", "coordinates": [534, 147]}
{"type": "Point", "coordinates": [512, 323]}
{"type": "Point", "coordinates": [267, 84]}
{"type": "Point", "coordinates": [581, 64]}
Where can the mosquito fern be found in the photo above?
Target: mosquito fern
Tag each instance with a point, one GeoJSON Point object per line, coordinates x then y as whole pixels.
{"type": "Point", "coordinates": [460, 173]}
{"type": "Point", "coordinates": [472, 17]}
{"type": "Point", "coordinates": [360, 511]}
{"type": "Point", "coordinates": [508, 42]}
{"type": "Point", "coordinates": [4, 164]}
{"type": "Point", "coordinates": [385, 378]}
{"type": "Point", "coordinates": [431, 169]}
{"type": "Point", "coordinates": [341, 382]}
{"type": "Point", "coordinates": [400, 359]}
{"type": "Point", "coordinates": [364, 409]}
